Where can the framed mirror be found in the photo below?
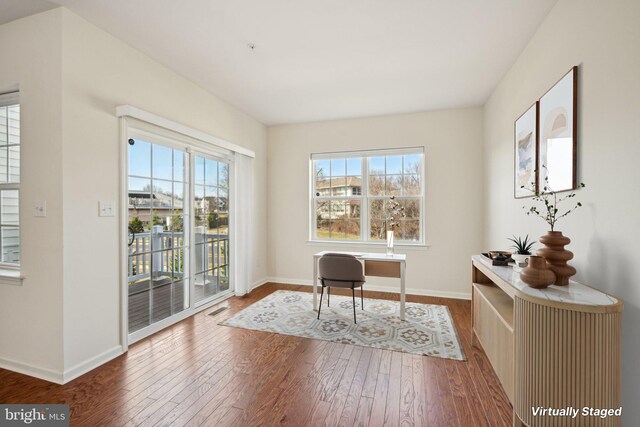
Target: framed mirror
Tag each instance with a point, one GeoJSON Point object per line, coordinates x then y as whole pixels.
{"type": "Point", "coordinates": [557, 132]}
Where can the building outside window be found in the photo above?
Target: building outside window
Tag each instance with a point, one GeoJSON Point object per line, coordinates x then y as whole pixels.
{"type": "Point", "coordinates": [9, 180]}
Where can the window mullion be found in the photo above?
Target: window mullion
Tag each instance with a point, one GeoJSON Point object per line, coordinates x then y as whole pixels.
{"type": "Point", "coordinates": [364, 205]}
{"type": "Point", "coordinates": [328, 198]}
{"type": "Point", "coordinates": [313, 202]}
{"type": "Point", "coordinates": [1, 230]}
{"type": "Point", "coordinates": [315, 218]}
{"type": "Point", "coordinates": [7, 147]}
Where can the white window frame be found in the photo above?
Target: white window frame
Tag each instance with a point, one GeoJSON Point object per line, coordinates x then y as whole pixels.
{"type": "Point", "coordinates": [365, 238]}
{"type": "Point", "coordinates": [6, 99]}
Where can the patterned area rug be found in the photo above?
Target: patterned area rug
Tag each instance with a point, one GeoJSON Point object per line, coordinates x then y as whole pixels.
{"type": "Point", "coordinates": [428, 329]}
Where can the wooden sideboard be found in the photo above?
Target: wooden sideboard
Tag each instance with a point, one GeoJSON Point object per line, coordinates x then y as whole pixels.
{"type": "Point", "coordinates": [552, 348]}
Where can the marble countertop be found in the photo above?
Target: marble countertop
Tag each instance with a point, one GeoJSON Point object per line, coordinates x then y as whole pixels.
{"type": "Point", "coordinates": [574, 293]}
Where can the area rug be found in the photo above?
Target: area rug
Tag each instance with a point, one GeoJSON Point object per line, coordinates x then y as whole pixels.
{"type": "Point", "coordinates": [427, 329]}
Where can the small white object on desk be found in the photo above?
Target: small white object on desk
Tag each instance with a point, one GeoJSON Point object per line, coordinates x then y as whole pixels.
{"type": "Point", "coordinates": [390, 242]}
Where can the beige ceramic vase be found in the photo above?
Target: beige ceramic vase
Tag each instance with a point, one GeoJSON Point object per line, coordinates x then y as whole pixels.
{"type": "Point", "coordinates": [557, 256]}
{"type": "Point", "coordinates": [537, 273]}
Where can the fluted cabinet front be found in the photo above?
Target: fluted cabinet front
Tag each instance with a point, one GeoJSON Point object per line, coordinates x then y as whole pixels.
{"type": "Point", "coordinates": [565, 359]}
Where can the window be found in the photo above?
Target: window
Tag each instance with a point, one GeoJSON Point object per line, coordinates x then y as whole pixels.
{"type": "Point", "coordinates": [9, 179]}
{"type": "Point", "coordinates": [352, 191]}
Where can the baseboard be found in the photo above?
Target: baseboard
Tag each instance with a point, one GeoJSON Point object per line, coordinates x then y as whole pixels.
{"type": "Point", "coordinates": [259, 283]}
{"type": "Point", "coordinates": [88, 365]}
{"type": "Point", "coordinates": [32, 371]}
{"type": "Point", "coordinates": [392, 289]}
{"type": "Point", "coordinates": [286, 281]}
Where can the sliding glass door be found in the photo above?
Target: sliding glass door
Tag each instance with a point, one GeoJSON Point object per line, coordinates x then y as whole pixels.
{"type": "Point", "coordinates": [178, 245]}
{"type": "Point", "coordinates": [211, 234]}
{"type": "Point", "coordinates": [158, 273]}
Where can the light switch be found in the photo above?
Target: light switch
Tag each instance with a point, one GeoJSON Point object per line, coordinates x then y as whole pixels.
{"type": "Point", "coordinates": [106, 208]}
{"type": "Point", "coordinates": [40, 208]}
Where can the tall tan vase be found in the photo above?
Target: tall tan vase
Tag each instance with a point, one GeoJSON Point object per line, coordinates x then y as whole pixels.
{"type": "Point", "coordinates": [557, 256]}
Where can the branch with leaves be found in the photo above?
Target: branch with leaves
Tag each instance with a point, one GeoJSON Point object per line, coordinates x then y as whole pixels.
{"type": "Point", "coordinates": [396, 211]}
{"type": "Point", "coordinates": [550, 201]}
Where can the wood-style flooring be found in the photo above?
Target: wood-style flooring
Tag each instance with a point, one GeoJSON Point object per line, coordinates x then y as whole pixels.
{"type": "Point", "coordinates": [199, 373]}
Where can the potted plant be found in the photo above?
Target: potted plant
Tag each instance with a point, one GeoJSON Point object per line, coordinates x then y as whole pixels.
{"type": "Point", "coordinates": [522, 250]}
{"type": "Point", "coordinates": [554, 251]}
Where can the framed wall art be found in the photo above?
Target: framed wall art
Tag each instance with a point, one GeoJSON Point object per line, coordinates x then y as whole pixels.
{"type": "Point", "coordinates": [526, 153]}
{"type": "Point", "coordinates": [557, 132]}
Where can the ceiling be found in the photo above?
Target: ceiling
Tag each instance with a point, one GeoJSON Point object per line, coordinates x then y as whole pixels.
{"type": "Point", "coordinates": [15, 9]}
{"type": "Point", "coordinates": [328, 59]}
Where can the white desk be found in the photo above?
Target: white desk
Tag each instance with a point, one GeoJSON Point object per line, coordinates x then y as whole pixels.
{"type": "Point", "coordinates": [375, 264]}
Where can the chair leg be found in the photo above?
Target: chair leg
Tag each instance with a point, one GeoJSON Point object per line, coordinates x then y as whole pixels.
{"type": "Point", "coordinates": [353, 293]}
{"type": "Point", "coordinates": [328, 296]}
{"type": "Point", "coordinates": [362, 297]}
{"type": "Point", "coordinates": [320, 305]}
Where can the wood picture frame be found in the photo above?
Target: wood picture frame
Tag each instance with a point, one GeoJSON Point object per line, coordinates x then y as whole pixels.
{"type": "Point", "coordinates": [525, 153]}
{"type": "Point", "coordinates": [557, 131]}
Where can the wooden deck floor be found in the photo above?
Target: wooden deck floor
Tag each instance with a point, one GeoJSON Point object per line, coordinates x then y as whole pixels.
{"type": "Point", "coordinates": [166, 298]}
{"type": "Point", "coordinates": [199, 373]}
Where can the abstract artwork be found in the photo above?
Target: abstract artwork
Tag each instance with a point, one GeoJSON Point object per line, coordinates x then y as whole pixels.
{"type": "Point", "coordinates": [526, 143]}
{"type": "Point", "coordinates": [557, 152]}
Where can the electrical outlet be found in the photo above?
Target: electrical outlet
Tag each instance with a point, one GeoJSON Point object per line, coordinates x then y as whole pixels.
{"type": "Point", "coordinates": [106, 208]}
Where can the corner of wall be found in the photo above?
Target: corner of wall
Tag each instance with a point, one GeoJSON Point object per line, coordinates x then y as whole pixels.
{"type": "Point", "coordinates": [32, 342]}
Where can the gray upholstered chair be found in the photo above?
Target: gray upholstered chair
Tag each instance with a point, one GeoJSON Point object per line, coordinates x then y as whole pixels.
{"type": "Point", "coordinates": [341, 271]}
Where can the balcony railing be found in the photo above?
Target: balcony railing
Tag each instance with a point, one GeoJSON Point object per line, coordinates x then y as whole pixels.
{"type": "Point", "coordinates": [159, 254]}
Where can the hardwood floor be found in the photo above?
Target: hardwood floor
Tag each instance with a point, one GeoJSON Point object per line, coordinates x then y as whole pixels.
{"type": "Point", "coordinates": [199, 373]}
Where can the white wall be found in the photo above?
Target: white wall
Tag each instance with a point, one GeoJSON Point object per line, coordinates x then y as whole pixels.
{"type": "Point", "coordinates": [31, 315]}
{"type": "Point", "coordinates": [603, 38]}
{"type": "Point", "coordinates": [72, 76]}
{"type": "Point", "coordinates": [100, 72]}
{"type": "Point", "coordinates": [453, 148]}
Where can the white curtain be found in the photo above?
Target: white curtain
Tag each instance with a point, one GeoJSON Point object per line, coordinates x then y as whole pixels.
{"type": "Point", "coordinates": [244, 224]}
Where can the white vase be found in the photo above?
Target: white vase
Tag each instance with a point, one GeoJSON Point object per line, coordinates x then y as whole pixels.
{"type": "Point", "coordinates": [390, 243]}
{"type": "Point", "coordinates": [521, 261]}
